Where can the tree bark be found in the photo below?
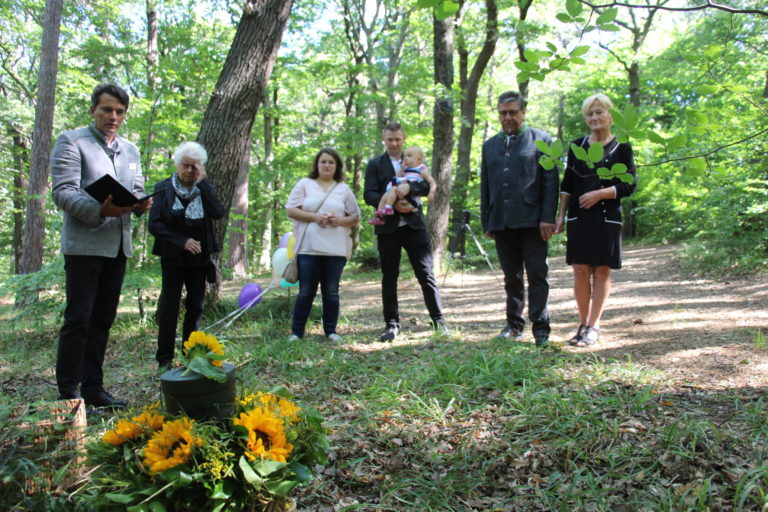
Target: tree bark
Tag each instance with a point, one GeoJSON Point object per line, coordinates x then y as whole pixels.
{"type": "Point", "coordinates": [238, 253]}
{"type": "Point", "coordinates": [226, 127]}
{"type": "Point", "coordinates": [442, 132]}
{"type": "Point", "coordinates": [34, 228]}
{"type": "Point", "coordinates": [469, 83]}
{"type": "Point", "coordinates": [20, 184]}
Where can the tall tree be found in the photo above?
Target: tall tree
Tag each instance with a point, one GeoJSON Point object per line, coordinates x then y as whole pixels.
{"type": "Point", "coordinates": [226, 126]}
{"type": "Point", "coordinates": [442, 133]}
{"type": "Point", "coordinates": [469, 83]}
{"type": "Point", "coordinates": [34, 228]}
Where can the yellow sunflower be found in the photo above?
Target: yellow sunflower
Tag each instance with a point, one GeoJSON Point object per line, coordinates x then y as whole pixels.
{"type": "Point", "coordinates": [199, 344]}
{"type": "Point", "coordinates": [126, 430]}
{"type": "Point", "coordinates": [266, 437]}
{"type": "Point", "coordinates": [170, 446]}
{"type": "Point", "coordinates": [286, 408]}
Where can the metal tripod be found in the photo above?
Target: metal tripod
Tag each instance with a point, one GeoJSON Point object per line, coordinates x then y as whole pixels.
{"type": "Point", "coordinates": [464, 227]}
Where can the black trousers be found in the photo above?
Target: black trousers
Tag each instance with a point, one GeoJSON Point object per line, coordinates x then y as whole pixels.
{"type": "Point", "coordinates": [419, 253]}
{"type": "Point", "coordinates": [193, 278]}
{"type": "Point", "coordinates": [518, 249]}
{"type": "Point", "coordinates": [93, 292]}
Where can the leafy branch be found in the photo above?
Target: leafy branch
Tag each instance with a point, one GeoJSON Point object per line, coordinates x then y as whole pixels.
{"type": "Point", "coordinates": [707, 5]}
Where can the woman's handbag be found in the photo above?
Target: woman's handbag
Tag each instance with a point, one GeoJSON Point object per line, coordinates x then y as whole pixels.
{"type": "Point", "coordinates": [291, 272]}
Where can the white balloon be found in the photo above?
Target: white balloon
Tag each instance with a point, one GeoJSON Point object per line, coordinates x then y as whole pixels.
{"type": "Point", "coordinates": [280, 261]}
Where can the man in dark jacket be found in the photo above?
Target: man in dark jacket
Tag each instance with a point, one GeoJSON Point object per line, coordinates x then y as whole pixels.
{"type": "Point", "coordinates": [405, 229]}
{"type": "Point", "coordinates": [518, 201]}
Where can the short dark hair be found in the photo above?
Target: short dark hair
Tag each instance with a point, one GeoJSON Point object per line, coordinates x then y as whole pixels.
{"type": "Point", "coordinates": [338, 175]}
{"type": "Point", "coordinates": [394, 127]}
{"type": "Point", "coordinates": [509, 96]}
{"type": "Point", "coordinates": [111, 89]}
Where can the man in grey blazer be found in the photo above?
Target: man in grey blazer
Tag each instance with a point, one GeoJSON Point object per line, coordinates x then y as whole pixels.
{"type": "Point", "coordinates": [95, 241]}
{"type": "Point", "coordinates": [518, 202]}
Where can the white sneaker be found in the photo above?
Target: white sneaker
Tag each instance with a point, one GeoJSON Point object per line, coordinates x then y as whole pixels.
{"type": "Point", "coordinates": [336, 338]}
{"type": "Point", "coordinates": [293, 337]}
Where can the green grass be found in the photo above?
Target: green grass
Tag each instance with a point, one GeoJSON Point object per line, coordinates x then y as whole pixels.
{"type": "Point", "coordinates": [451, 425]}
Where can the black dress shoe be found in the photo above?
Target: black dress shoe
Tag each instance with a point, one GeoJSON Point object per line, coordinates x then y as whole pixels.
{"type": "Point", "coordinates": [72, 395]}
{"type": "Point", "coordinates": [510, 333]}
{"type": "Point", "coordinates": [104, 400]}
{"type": "Point", "coordinates": [391, 333]}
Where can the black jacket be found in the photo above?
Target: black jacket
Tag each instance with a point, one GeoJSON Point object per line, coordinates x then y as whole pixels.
{"type": "Point", "coordinates": [170, 244]}
{"type": "Point", "coordinates": [378, 173]}
{"type": "Point", "coordinates": [515, 190]}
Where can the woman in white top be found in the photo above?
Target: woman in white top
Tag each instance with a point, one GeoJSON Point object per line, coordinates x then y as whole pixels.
{"type": "Point", "coordinates": [323, 210]}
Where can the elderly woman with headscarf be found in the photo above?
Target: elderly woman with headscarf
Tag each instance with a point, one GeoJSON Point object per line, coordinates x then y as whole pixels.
{"type": "Point", "coordinates": [181, 221]}
{"type": "Point", "coordinates": [594, 216]}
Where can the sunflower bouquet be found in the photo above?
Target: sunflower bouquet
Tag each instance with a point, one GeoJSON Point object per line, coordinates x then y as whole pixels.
{"type": "Point", "coordinates": [152, 462]}
{"type": "Point", "coordinates": [204, 354]}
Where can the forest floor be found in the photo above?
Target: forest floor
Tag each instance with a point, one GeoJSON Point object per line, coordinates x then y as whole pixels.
{"type": "Point", "coordinates": [698, 332]}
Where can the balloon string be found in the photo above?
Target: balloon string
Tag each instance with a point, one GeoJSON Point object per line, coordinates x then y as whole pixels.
{"type": "Point", "coordinates": [234, 315]}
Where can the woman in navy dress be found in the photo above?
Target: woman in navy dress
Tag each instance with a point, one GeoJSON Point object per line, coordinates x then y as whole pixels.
{"type": "Point", "coordinates": [594, 216]}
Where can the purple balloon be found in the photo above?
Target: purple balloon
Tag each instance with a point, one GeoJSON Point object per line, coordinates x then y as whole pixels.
{"type": "Point", "coordinates": [250, 292]}
{"type": "Point", "coordinates": [284, 239]}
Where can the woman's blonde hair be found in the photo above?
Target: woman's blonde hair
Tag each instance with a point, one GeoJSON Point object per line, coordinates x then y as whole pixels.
{"type": "Point", "coordinates": [599, 98]}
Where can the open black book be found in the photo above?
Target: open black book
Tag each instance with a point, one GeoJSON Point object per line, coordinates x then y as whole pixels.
{"type": "Point", "coordinates": [107, 185]}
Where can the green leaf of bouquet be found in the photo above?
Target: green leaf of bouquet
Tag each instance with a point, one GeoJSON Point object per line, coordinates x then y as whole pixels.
{"type": "Point", "coordinates": [573, 7]}
{"type": "Point", "coordinates": [281, 487]}
{"type": "Point", "coordinates": [303, 474]}
{"type": "Point", "coordinates": [563, 17]}
{"type": "Point", "coordinates": [543, 147]}
{"type": "Point", "coordinates": [603, 173]}
{"type": "Point", "coordinates": [618, 168]}
{"type": "Point", "coordinates": [251, 476]}
{"type": "Point", "coordinates": [596, 152]}
{"type": "Point", "coordinates": [215, 357]}
{"type": "Point", "coordinates": [282, 392]}
{"type": "Point", "coordinates": [607, 16]}
{"type": "Point", "coordinates": [579, 152]}
{"type": "Point", "coordinates": [183, 479]}
{"type": "Point", "coordinates": [119, 498]}
{"type": "Point", "coordinates": [220, 493]}
{"type": "Point", "coordinates": [157, 506]}
{"type": "Point", "coordinates": [266, 467]}
{"type": "Point", "coordinates": [203, 367]}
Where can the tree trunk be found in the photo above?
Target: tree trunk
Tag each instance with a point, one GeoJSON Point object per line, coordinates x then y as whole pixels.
{"type": "Point", "coordinates": [524, 5]}
{"type": "Point", "coordinates": [442, 132]}
{"type": "Point", "coordinates": [469, 84]}
{"type": "Point", "coordinates": [34, 228]}
{"type": "Point", "coordinates": [20, 184]}
{"type": "Point", "coordinates": [265, 243]}
{"type": "Point", "coordinates": [226, 127]}
{"type": "Point", "coordinates": [238, 254]}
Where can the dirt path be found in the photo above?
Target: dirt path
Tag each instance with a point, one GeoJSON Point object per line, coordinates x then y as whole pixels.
{"type": "Point", "coordinates": [697, 332]}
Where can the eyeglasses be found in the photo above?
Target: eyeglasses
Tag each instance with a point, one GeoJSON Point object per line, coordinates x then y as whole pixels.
{"type": "Point", "coordinates": [186, 166]}
{"type": "Point", "coordinates": [503, 113]}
